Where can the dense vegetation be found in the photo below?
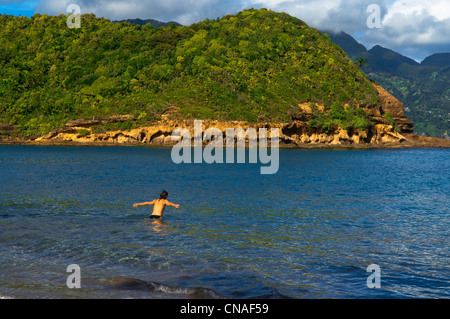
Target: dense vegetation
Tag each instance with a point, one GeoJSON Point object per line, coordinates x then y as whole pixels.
{"type": "Point", "coordinates": [423, 88]}
{"type": "Point", "coordinates": [340, 116]}
{"type": "Point", "coordinates": [425, 93]}
{"type": "Point", "coordinates": [255, 66]}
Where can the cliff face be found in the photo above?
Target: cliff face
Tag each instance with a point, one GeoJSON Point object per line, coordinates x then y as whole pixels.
{"type": "Point", "coordinates": [390, 105]}
{"type": "Point", "coordinates": [297, 133]}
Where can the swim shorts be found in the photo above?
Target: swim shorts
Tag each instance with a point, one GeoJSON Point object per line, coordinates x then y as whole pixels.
{"type": "Point", "coordinates": [155, 217]}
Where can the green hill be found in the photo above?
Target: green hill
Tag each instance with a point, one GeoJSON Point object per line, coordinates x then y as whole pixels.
{"type": "Point", "coordinates": [255, 66]}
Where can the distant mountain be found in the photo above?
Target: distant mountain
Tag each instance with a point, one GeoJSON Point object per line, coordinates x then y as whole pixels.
{"type": "Point", "coordinates": [438, 59]}
{"type": "Point", "coordinates": [352, 47]}
{"type": "Point", "coordinates": [155, 23]}
{"type": "Point", "coordinates": [423, 88]}
{"type": "Point", "coordinates": [379, 59]}
{"type": "Point", "coordinates": [386, 60]}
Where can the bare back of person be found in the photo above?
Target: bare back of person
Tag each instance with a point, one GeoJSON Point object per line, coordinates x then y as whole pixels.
{"type": "Point", "coordinates": [158, 207]}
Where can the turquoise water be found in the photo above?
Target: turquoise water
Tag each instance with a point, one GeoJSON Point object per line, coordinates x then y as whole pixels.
{"type": "Point", "coordinates": [309, 231]}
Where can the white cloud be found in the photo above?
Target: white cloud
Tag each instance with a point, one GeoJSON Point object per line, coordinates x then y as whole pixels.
{"type": "Point", "coordinates": [184, 12]}
{"type": "Point", "coordinates": [349, 15]}
{"type": "Point", "coordinates": [415, 28]}
{"type": "Point", "coordinates": [439, 9]}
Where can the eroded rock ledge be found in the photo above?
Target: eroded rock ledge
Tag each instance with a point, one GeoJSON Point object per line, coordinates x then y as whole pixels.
{"type": "Point", "coordinates": [297, 133]}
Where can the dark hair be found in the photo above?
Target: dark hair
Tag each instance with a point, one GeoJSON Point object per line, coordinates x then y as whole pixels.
{"type": "Point", "coordinates": [163, 195]}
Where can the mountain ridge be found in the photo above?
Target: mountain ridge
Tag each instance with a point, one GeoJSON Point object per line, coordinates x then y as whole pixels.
{"type": "Point", "coordinates": [437, 59]}
{"type": "Point", "coordinates": [153, 22]}
{"type": "Point", "coordinates": [424, 88]}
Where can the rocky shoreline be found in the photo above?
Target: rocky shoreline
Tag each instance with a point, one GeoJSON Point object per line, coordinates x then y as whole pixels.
{"type": "Point", "coordinates": [296, 134]}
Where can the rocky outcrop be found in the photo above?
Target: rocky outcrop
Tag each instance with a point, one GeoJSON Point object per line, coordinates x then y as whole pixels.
{"type": "Point", "coordinates": [301, 134]}
{"type": "Point", "coordinates": [7, 134]}
{"type": "Point", "coordinates": [6, 128]}
{"type": "Point", "coordinates": [297, 133]}
{"type": "Point", "coordinates": [389, 105]}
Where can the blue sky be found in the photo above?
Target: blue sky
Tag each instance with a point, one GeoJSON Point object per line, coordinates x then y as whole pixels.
{"type": "Point", "coordinates": [24, 8]}
{"type": "Point", "coordinates": [415, 28]}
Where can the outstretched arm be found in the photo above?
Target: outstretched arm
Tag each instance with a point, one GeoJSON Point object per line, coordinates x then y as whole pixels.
{"type": "Point", "coordinates": [144, 204]}
{"type": "Point", "coordinates": [172, 204]}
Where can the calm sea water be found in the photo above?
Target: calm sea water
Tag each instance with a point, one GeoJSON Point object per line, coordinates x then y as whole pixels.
{"type": "Point", "coordinates": [309, 231]}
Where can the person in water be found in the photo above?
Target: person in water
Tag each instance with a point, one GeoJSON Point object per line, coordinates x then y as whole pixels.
{"type": "Point", "coordinates": [159, 205]}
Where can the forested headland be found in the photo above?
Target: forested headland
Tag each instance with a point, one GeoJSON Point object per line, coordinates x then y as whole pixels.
{"type": "Point", "coordinates": [258, 65]}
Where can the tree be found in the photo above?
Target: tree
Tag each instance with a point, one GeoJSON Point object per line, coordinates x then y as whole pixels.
{"type": "Point", "coordinates": [360, 62]}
